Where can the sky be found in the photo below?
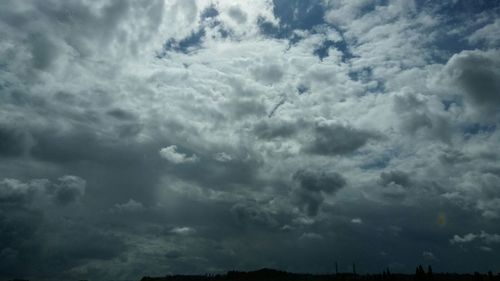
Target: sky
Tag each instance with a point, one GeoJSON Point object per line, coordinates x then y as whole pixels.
{"type": "Point", "coordinates": [192, 136]}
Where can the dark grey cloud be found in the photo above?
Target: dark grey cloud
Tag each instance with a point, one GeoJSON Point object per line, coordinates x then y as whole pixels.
{"type": "Point", "coordinates": [268, 129]}
{"type": "Point", "coordinates": [69, 189]}
{"type": "Point", "coordinates": [121, 114]}
{"type": "Point", "coordinates": [337, 139]}
{"type": "Point", "coordinates": [415, 111]}
{"type": "Point", "coordinates": [13, 191]}
{"type": "Point", "coordinates": [115, 163]}
{"type": "Point", "coordinates": [44, 51]}
{"type": "Point", "coordinates": [452, 157]}
{"type": "Point", "coordinates": [476, 73]}
{"type": "Point", "coordinates": [13, 141]}
{"type": "Point", "coordinates": [315, 182]}
{"type": "Point", "coordinates": [251, 214]}
{"type": "Point", "coordinates": [40, 192]}
{"type": "Point", "coordinates": [81, 243]}
{"type": "Point", "coordinates": [244, 107]}
{"type": "Point", "coordinates": [312, 185]}
{"type": "Point", "coordinates": [209, 171]}
{"type": "Point", "coordinates": [395, 177]}
{"type": "Point", "coordinates": [395, 184]}
{"type": "Point", "coordinates": [268, 73]}
{"type": "Point", "coordinates": [79, 145]}
{"type": "Point", "coordinates": [416, 116]}
{"type": "Point", "coordinates": [21, 244]}
{"type": "Point", "coordinates": [30, 221]}
{"type": "Point", "coordinates": [173, 254]}
{"type": "Point", "coordinates": [237, 14]}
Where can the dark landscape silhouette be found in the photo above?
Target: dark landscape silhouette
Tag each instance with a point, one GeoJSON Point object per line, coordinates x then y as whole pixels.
{"type": "Point", "coordinates": [267, 274]}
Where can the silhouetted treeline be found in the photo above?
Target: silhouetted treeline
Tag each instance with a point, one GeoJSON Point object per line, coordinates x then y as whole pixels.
{"type": "Point", "coordinates": [276, 275]}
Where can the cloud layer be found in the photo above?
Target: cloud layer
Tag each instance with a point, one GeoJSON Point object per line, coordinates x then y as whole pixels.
{"type": "Point", "coordinates": [153, 137]}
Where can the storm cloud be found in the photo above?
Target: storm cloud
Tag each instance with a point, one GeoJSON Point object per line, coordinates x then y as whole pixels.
{"type": "Point", "coordinates": [312, 186]}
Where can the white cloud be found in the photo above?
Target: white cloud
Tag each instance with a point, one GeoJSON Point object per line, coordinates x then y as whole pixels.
{"type": "Point", "coordinates": [183, 230]}
{"type": "Point", "coordinates": [222, 157]}
{"type": "Point", "coordinates": [170, 153]}
{"type": "Point", "coordinates": [131, 205]}
{"type": "Point", "coordinates": [489, 34]}
{"type": "Point", "coordinates": [428, 255]}
{"type": "Point", "coordinates": [43, 192]}
{"type": "Point", "coordinates": [356, 221]}
{"type": "Point", "coordinates": [483, 236]}
{"type": "Point", "coordinates": [12, 188]}
{"type": "Point", "coordinates": [311, 236]}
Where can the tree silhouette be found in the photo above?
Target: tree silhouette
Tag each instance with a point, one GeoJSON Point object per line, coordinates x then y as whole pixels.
{"type": "Point", "coordinates": [419, 273]}
{"type": "Point", "coordinates": [267, 274]}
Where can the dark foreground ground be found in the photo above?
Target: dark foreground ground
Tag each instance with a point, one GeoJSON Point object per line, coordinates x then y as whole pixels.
{"type": "Point", "coordinates": [274, 275]}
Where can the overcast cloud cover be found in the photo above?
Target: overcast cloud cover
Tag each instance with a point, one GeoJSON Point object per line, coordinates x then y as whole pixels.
{"type": "Point", "coordinates": [153, 137]}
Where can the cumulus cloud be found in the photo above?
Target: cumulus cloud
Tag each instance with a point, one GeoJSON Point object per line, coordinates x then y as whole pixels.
{"type": "Point", "coordinates": [250, 213]}
{"type": "Point", "coordinates": [395, 177]}
{"type": "Point", "coordinates": [312, 186]}
{"type": "Point", "coordinates": [69, 189]}
{"type": "Point", "coordinates": [483, 236]}
{"type": "Point", "coordinates": [356, 221]}
{"type": "Point", "coordinates": [489, 207]}
{"type": "Point", "coordinates": [170, 153]}
{"type": "Point", "coordinates": [268, 73]}
{"type": "Point", "coordinates": [429, 256]}
{"type": "Point", "coordinates": [238, 15]}
{"type": "Point", "coordinates": [275, 129]}
{"type": "Point", "coordinates": [476, 74]}
{"type": "Point", "coordinates": [131, 205]}
{"type": "Point", "coordinates": [311, 236]}
{"type": "Point", "coordinates": [13, 189]}
{"type": "Point", "coordinates": [464, 239]}
{"type": "Point", "coordinates": [331, 139]}
{"type": "Point", "coordinates": [222, 157]}
{"type": "Point", "coordinates": [183, 230]}
{"type": "Point", "coordinates": [487, 34]}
